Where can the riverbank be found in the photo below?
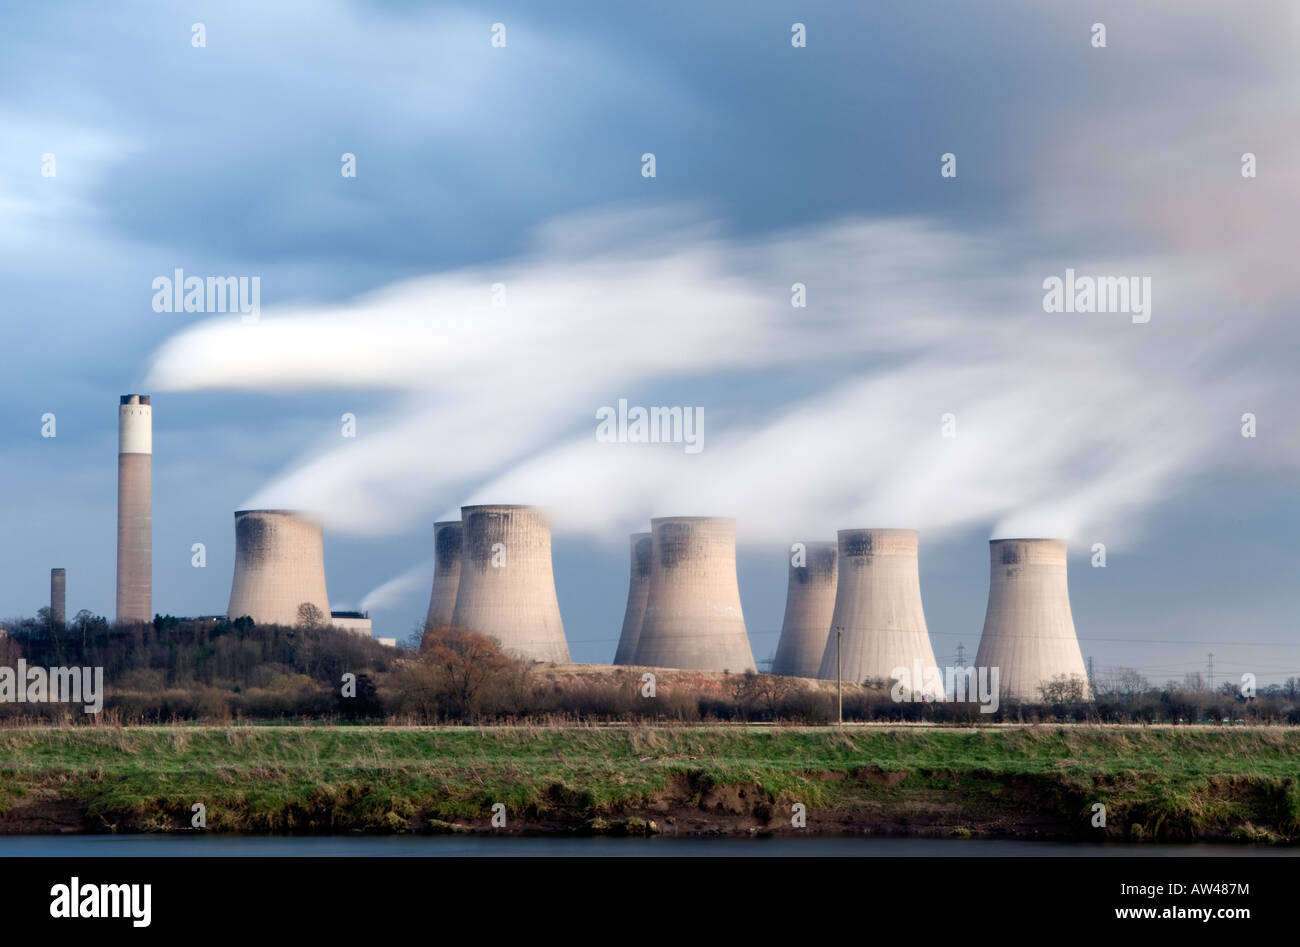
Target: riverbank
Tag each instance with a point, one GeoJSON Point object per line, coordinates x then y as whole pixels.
{"type": "Point", "coordinates": [353, 846]}
{"type": "Point", "coordinates": [1165, 784]}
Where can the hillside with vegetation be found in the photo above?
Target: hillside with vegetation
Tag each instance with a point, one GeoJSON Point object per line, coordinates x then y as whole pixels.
{"type": "Point", "coordinates": [218, 671]}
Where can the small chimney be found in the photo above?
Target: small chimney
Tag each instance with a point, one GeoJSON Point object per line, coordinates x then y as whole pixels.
{"type": "Point", "coordinates": [59, 597]}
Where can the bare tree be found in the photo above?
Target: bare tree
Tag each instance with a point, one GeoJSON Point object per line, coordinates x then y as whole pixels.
{"type": "Point", "coordinates": [1064, 689]}
{"type": "Point", "coordinates": [1122, 682]}
{"type": "Point", "coordinates": [310, 616]}
{"type": "Point", "coordinates": [764, 690]}
{"type": "Point", "coordinates": [468, 659]}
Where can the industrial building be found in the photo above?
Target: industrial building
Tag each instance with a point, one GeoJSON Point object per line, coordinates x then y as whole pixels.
{"type": "Point", "coordinates": [279, 567]}
{"type": "Point", "coordinates": [134, 509]}
{"type": "Point", "coordinates": [809, 609]}
{"type": "Point", "coordinates": [356, 622]}
{"type": "Point", "coordinates": [693, 618]}
{"type": "Point", "coordinates": [1028, 628]}
{"type": "Point", "coordinates": [638, 590]}
{"type": "Point", "coordinates": [507, 584]}
{"type": "Point", "coordinates": [853, 607]}
{"type": "Point", "coordinates": [878, 612]}
{"type": "Point", "coordinates": [447, 542]}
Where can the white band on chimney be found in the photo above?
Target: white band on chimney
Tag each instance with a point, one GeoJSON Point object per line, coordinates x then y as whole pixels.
{"type": "Point", "coordinates": [135, 429]}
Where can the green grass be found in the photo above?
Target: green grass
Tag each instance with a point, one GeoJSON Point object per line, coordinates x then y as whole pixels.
{"type": "Point", "coordinates": [1171, 783]}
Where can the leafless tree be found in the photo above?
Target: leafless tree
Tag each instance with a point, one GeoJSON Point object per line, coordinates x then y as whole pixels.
{"type": "Point", "coordinates": [310, 616]}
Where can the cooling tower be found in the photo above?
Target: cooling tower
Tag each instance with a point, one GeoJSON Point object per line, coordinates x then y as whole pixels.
{"type": "Point", "coordinates": [693, 619]}
{"type": "Point", "coordinates": [279, 566]}
{"type": "Point", "coordinates": [59, 597]}
{"type": "Point", "coordinates": [878, 608]}
{"type": "Point", "coordinates": [446, 574]}
{"type": "Point", "coordinates": [809, 606]}
{"type": "Point", "coordinates": [637, 590]}
{"type": "Point", "coordinates": [134, 509]}
{"type": "Point", "coordinates": [1028, 629]}
{"type": "Point", "coordinates": [507, 586]}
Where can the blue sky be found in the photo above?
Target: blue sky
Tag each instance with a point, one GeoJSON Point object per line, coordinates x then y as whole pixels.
{"type": "Point", "coordinates": [774, 164]}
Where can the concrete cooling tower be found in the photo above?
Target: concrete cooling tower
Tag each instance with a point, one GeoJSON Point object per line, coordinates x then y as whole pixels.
{"type": "Point", "coordinates": [279, 566]}
{"type": "Point", "coordinates": [134, 509]}
{"type": "Point", "coordinates": [507, 585]}
{"type": "Point", "coordinates": [878, 607]}
{"type": "Point", "coordinates": [693, 619]}
{"type": "Point", "coordinates": [637, 591]}
{"type": "Point", "coordinates": [446, 574]}
{"type": "Point", "coordinates": [809, 606]}
{"type": "Point", "coordinates": [58, 597]}
{"type": "Point", "coordinates": [1028, 629]}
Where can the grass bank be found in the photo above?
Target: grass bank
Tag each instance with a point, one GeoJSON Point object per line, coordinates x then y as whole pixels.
{"type": "Point", "coordinates": [1170, 783]}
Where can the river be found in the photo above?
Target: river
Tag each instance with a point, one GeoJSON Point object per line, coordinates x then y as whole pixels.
{"type": "Point", "coordinates": [406, 846]}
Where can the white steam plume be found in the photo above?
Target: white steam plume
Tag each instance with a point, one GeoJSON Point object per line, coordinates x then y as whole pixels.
{"type": "Point", "coordinates": [817, 418]}
{"type": "Point", "coordinates": [390, 593]}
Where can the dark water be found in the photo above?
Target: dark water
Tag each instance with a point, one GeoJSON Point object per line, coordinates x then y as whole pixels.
{"type": "Point", "coordinates": [81, 846]}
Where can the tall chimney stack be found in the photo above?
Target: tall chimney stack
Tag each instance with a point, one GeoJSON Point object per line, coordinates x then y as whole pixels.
{"type": "Point", "coordinates": [134, 509]}
{"type": "Point", "coordinates": [59, 597]}
{"type": "Point", "coordinates": [1028, 628]}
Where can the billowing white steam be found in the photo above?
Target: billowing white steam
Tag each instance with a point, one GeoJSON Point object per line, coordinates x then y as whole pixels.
{"type": "Point", "coordinates": [395, 589]}
{"type": "Point", "coordinates": [817, 418]}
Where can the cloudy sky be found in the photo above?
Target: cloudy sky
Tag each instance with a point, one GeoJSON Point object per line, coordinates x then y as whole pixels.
{"type": "Point", "coordinates": [520, 168]}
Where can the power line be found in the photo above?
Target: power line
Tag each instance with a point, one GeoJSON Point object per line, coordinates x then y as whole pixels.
{"type": "Point", "coordinates": [954, 634]}
{"type": "Point", "coordinates": [1179, 641]}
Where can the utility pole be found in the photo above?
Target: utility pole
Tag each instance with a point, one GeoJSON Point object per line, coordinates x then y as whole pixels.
{"type": "Point", "coordinates": [839, 684]}
{"type": "Point", "coordinates": [1211, 672]}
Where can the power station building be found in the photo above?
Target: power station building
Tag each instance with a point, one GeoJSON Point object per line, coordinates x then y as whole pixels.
{"type": "Point", "coordinates": [877, 609]}
{"type": "Point", "coordinates": [357, 623]}
{"type": "Point", "coordinates": [447, 541]}
{"type": "Point", "coordinates": [809, 609]}
{"type": "Point", "coordinates": [1029, 631]}
{"type": "Point", "coordinates": [638, 590]}
{"type": "Point", "coordinates": [134, 509]}
{"type": "Point", "coordinates": [693, 618]}
{"type": "Point", "coordinates": [279, 567]}
{"type": "Point", "coordinates": [853, 607]}
{"type": "Point", "coordinates": [507, 585]}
